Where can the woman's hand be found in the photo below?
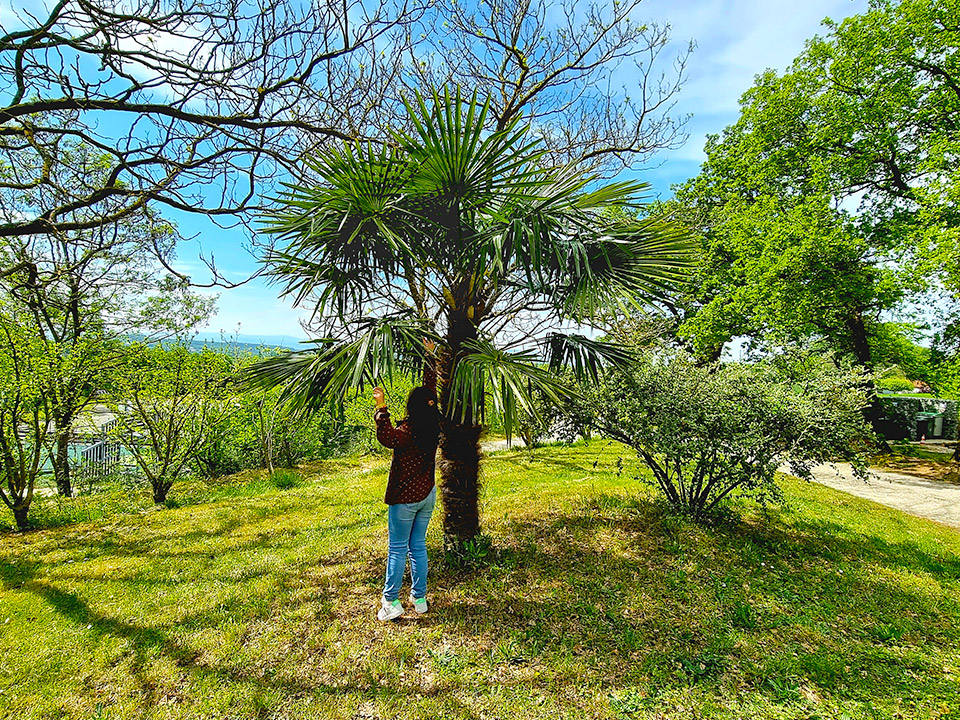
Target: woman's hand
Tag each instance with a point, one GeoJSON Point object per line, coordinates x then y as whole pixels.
{"type": "Point", "coordinates": [378, 397]}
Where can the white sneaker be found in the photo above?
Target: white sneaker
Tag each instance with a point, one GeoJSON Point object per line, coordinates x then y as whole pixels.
{"type": "Point", "coordinates": [389, 610]}
{"type": "Point", "coordinates": [419, 604]}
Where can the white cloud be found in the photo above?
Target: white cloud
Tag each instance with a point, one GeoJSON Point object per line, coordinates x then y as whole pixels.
{"type": "Point", "coordinates": [736, 40]}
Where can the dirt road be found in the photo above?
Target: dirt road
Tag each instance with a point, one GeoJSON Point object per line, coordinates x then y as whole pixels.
{"type": "Point", "coordinates": [938, 501]}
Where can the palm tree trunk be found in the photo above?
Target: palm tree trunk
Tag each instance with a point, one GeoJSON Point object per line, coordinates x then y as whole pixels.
{"type": "Point", "coordinates": [459, 466]}
{"type": "Point", "coordinates": [460, 484]}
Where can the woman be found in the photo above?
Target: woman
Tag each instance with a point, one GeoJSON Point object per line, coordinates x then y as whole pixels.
{"type": "Point", "coordinates": [411, 493]}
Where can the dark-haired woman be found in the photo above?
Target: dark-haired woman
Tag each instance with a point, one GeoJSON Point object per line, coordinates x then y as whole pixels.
{"type": "Point", "coordinates": [411, 493]}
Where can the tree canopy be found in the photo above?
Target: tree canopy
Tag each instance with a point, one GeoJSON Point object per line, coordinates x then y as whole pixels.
{"type": "Point", "coordinates": [591, 79]}
{"type": "Point", "coordinates": [186, 104]}
{"type": "Point", "coordinates": [203, 107]}
{"type": "Point", "coordinates": [831, 201]}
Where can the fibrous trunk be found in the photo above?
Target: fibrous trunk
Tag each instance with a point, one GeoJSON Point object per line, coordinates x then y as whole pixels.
{"type": "Point", "coordinates": [459, 466]}
{"type": "Point", "coordinates": [459, 470]}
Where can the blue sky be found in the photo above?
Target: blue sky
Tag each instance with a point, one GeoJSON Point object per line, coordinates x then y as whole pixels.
{"type": "Point", "coordinates": [735, 40]}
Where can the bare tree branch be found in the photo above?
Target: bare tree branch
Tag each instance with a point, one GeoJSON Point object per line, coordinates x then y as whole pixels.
{"type": "Point", "coordinates": [200, 105]}
{"type": "Point", "coordinates": [590, 79]}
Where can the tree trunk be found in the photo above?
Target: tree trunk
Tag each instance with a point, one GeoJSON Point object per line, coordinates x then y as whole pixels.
{"type": "Point", "coordinates": [859, 343]}
{"type": "Point", "coordinates": [160, 490]}
{"type": "Point", "coordinates": [459, 466]}
{"type": "Point", "coordinates": [266, 436]}
{"type": "Point", "coordinates": [61, 461]}
{"type": "Point", "coordinates": [20, 516]}
{"type": "Point", "coordinates": [709, 355]}
{"type": "Point", "coordinates": [460, 484]}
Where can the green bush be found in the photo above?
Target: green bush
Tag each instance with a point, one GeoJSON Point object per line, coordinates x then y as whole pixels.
{"type": "Point", "coordinates": [946, 375]}
{"type": "Point", "coordinates": [707, 432]}
{"type": "Point", "coordinates": [894, 384]}
{"type": "Point", "coordinates": [256, 426]}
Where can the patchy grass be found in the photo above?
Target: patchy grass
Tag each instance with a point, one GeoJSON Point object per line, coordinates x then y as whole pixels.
{"type": "Point", "coordinates": [598, 603]}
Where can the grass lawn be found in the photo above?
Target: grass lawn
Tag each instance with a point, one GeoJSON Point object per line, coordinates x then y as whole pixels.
{"type": "Point", "coordinates": [255, 602]}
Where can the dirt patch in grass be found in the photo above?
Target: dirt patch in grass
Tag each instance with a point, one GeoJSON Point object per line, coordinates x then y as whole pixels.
{"type": "Point", "coordinates": [929, 469]}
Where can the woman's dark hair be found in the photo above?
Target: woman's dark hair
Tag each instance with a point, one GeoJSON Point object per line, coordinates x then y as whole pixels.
{"type": "Point", "coordinates": [423, 417]}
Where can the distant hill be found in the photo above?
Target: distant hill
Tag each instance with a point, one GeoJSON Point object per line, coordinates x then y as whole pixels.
{"type": "Point", "coordinates": [238, 343]}
{"type": "Point", "coordinates": [221, 341]}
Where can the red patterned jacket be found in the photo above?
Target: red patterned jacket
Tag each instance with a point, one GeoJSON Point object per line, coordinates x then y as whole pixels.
{"type": "Point", "coordinates": [412, 469]}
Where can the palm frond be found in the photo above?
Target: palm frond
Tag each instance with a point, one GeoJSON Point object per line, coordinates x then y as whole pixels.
{"type": "Point", "coordinates": [510, 379]}
{"type": "Point", "coordinates": [353, 220]}
{"type": "Point", "coordinates": [583, 248]}
{"type": "Point", "coordinates": [325, 376]}
{"type": "Point", "coordinates": [322, 284]}
{"type": "Point", "coordinates": [631, 263]}
{"type": "Point", "coordinates": [459, 161]}
{"type": "Point", "coordinates": [586, 357]}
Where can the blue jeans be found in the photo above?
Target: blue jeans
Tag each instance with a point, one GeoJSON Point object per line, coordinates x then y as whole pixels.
{"type": "Point", "coordinates": [407, 526]}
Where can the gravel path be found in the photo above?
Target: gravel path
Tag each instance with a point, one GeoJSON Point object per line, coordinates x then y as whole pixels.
{"type": "Point", "coordinates": [918, 496]}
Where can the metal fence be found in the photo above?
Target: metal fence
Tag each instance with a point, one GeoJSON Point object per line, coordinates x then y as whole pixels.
{"type": "Point", "coordinates": [100, 458]}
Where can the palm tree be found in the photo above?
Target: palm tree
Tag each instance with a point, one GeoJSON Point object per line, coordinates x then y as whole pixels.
{"type": "Point", "coordinates": [460, 234]}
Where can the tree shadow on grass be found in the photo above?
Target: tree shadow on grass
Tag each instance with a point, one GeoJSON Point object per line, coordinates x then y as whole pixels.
{"type": "Point", "coordinates": [522, 463]}
{"type": "Point", "coordinates": [680, 600]}
{"type": "Point", "coordinates": [621, 592]}
{"type": "Point", "coordinates": [149, 643]}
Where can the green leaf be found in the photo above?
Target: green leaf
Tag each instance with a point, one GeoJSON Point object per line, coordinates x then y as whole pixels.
{"type": "Point", "coordinates": [586, 357]}
{"type": "Point", "coordinates": [327, 375]}
{"type": "Point", "coordinates": [510, 379]}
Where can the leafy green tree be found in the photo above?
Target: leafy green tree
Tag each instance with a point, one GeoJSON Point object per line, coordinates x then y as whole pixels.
{"type": "Point", "coordinates": [259, 432]}
{"type": "Point", "coordinates": [166, 403]}
{"type": "Point", "coordinates": [833, 196]}
{"type": "Point", "coordinates": [461, 235]}
{"type": "Point", "coordinates": [829, 203]}
{"type": "Point", "coordinates": [707, 432]}
{"type": "Point", "coordinates": [23, 414]}
{"type": "Point", "coordinates": [779, 268]}
{"type": "Point", "coordinates": [83, 294]}
{"type": "Point", "coordinates": [881, 95]}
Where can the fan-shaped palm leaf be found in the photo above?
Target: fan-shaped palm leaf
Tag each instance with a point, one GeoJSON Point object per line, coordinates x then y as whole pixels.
{"type": "Point", "coordinates": [582, 248]}
{"type": "Point", "coordinates": [328, 374]}
{"type": "Point", "coordinates": [459, 161]}
{"type": "Point", "coordinates": [586, 357]}
{"type": "Point", "coordinates": [509, 379]}
{"type": "Point", "coordinates": [353, 221]}
{"type": "Point", "coordinates": [633, 262]}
